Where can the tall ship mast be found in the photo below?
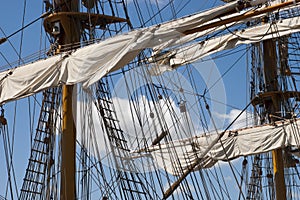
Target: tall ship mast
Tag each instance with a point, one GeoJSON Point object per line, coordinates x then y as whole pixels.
{"type": "Point", "coordinates": [151, 100]}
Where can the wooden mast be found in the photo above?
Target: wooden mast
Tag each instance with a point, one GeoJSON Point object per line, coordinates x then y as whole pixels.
{"type": "Point", "coordinates": [273, 108]}
{"type": "Point", "coordinates": [65, 25]}
{"type": "Point", "coordinates": [68, 36]}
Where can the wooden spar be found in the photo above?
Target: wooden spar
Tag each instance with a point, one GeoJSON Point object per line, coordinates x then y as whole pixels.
{"type": "Point", "coordinates": [191, 168]}
{"type": "Point", "coordinates": [273, 108]}
{"type": "Point", "coordinates": [240, 17]}
{"type": "Point", "coordinates": [174, 186]}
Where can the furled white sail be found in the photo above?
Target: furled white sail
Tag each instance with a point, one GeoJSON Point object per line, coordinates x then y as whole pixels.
{"type": "Point", "coordinates": [233, 144]}
{"type": "Point", "coordinates": [89, 64]}
{"type": "Point", "coordinates": [27, 80]}
{"type": "Point", "coordinates": [191, 37]}
{"type": "Point", "coordinates": [196, 51]}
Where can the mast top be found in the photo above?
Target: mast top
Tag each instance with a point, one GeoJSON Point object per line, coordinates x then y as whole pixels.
{"type": "Point", "coordinates": [84, 18]}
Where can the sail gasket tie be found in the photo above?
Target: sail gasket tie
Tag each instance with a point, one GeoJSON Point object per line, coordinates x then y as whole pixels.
{"type": "Point", "coordinates": [2, 40]}
{"type": "Point", "coordinates": [6, 75]}
{"type": "Point", "coordinates": [3, 120]}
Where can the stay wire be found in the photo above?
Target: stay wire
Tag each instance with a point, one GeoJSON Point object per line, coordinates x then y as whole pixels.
{"type": "Point", "coordinates": [223, 75]}
{"type": "Point", "coordinates": [23, 27]}
{"type": "Point", "coordinates": [32, 22]}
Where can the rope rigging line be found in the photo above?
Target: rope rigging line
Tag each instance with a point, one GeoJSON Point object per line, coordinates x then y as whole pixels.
{"type": "Point", "coordinates": [201, 96]}
{"type": "Point", "coordinates": [173, 187]}
{"type": "Point", "coordinates": [216, 130]}
{"type": "Point", "coordinates": [8, 150]}
{"type": "Point", "coordinates": [152, 97]}
{"type": "Point", "coordinates": [22, 32]}
{"type": "Point", "coordinates": [4, 39]}
{"type": "Point", "coordinates": [228, 70]}
{"type": "Point", "coordinates": [144, 23]}
{"type": "Point", "coordinates": [271, 23]}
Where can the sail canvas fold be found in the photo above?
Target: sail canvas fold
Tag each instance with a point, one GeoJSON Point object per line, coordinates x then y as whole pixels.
{"type": "Point", "coordinates": [29, 79]}
{"type": "Point", "coordinates": [195, 51]}
{"type": "Point", "coordinates": [234, 144]}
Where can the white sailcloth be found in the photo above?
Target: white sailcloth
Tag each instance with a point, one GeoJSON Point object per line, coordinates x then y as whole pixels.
{"type": "Point", "coordinates": [89, 64]}
{"type": "Point", "coordinates": [233, 144]}
{"type": "Point", "coordinates": [193, 52]}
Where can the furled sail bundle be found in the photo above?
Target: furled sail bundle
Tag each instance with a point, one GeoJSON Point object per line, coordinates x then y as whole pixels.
{"type": "Point", "coordinates": [233, 144]}
{"type": "Point", "coordinates": [195, 51]}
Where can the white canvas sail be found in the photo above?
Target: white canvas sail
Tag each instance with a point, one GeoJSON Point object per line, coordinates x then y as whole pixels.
{"type": "Point", "coordinates": [196, 51]}
{"type": "Point", "coordinates": [89, 64]}
{"type": "Point", "coordinates": [243, 142]}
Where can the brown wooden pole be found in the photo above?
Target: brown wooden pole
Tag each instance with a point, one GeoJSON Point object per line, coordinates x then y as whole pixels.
{"type": "Point", "coordinates": [240, 17]}
{"type": "Point", "coordinates": [273, 108]}
{"type": "Point", "coordinates": [69, 37]}
{"type": "Point", "coordinates": [68, 147]}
